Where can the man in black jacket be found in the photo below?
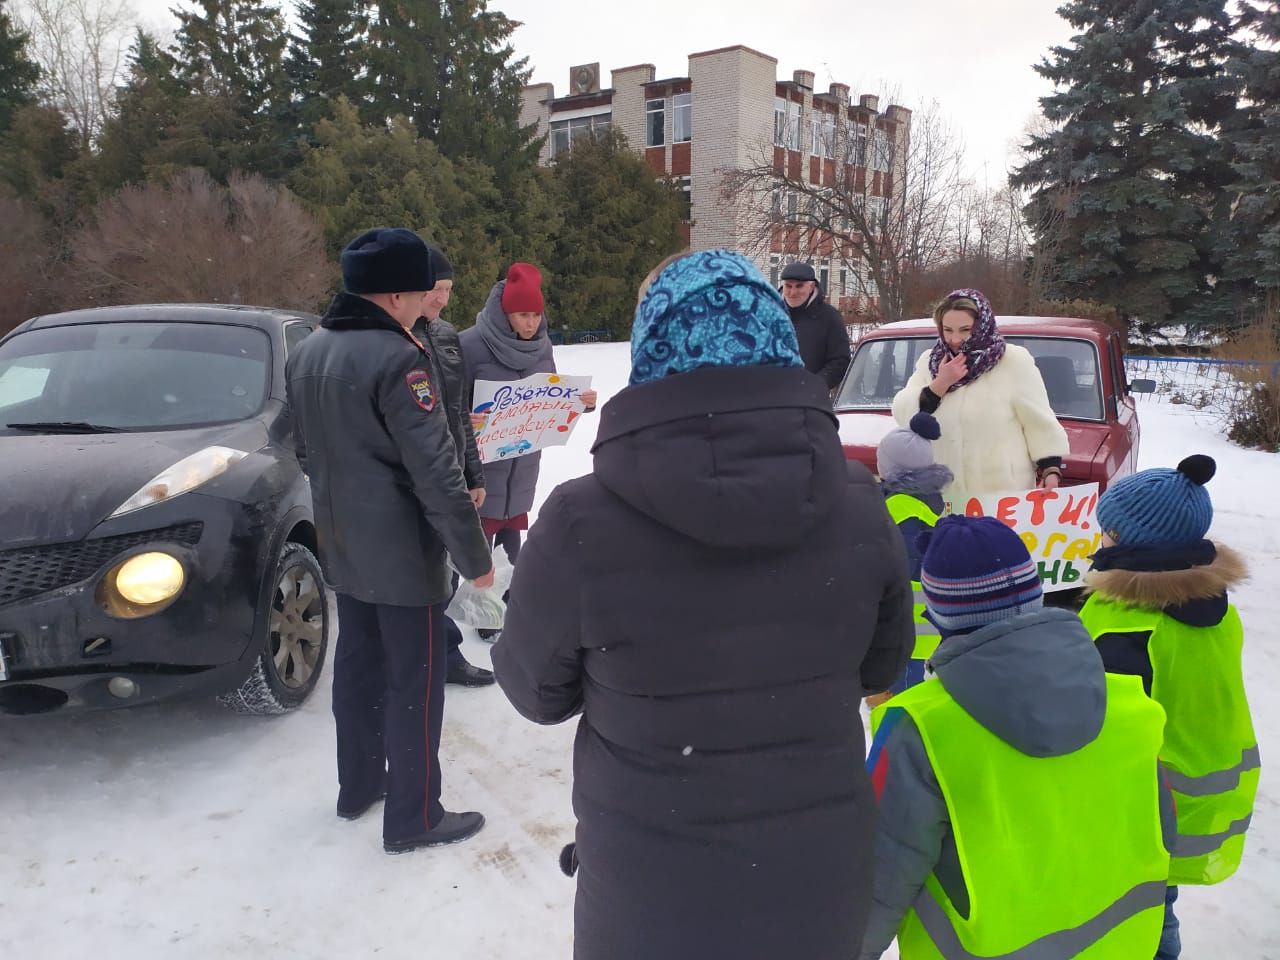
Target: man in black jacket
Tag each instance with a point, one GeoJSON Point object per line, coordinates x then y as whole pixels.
{"type": "Point", "coordinates": [389, 500]}
{"type": "Point", "coordinates": [441, 340]}
{"type": "Point", "coordinates": [824, 339]}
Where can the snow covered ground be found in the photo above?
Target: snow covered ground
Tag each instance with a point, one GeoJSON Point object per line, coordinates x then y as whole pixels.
{"type": "Point", "coordinates": [180, 831]}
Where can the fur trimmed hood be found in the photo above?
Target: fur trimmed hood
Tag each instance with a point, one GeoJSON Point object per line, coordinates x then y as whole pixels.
{"type": "Point", "coordinates": [923, 482]}
{"type": "Point", "coordinates": [1171, 588]}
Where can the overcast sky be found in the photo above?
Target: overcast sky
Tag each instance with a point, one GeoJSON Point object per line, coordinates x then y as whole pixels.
{"type": "Point", "coordinates": [974, 57]}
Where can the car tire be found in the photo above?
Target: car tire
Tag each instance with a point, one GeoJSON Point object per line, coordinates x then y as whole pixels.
{"type": "Point", "coordinates": [292, 639]}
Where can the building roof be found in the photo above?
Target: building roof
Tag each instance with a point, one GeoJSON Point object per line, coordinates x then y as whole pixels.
{"type": "Point", "coordinates": [707, 53]}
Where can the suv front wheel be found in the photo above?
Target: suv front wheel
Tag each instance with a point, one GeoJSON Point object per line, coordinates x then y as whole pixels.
{"type": "Point", "coordinates": [293, 639]}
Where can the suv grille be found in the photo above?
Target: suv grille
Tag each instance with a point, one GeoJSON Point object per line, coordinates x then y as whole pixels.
{"type": "Point", "coordinates": [30, 571]}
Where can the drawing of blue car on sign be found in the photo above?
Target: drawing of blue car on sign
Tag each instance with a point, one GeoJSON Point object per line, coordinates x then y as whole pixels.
{"type": "Point", "coordinates": [517, 448]}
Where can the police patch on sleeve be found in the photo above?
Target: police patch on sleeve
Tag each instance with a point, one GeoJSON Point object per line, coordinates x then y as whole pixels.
{"type": "Point", "coordinates": [419, 383]}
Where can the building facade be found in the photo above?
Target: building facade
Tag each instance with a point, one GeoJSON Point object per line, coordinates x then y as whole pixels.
{"type": "Point", "coordinates": [732, 113]}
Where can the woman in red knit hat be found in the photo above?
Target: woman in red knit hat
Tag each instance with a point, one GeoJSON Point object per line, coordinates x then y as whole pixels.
{"type": "Point", "coordinates": [509, 342]}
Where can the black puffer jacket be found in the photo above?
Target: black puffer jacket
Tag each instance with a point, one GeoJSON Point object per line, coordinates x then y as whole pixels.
{"type": "Point", "coordinates": [441, 340]}
{"type": "Point", "coordinates": [388, 493]}
{"type": "Point", "coordinates": [824, 339]}
{"type": "Point", "coordinates": [714, 599]}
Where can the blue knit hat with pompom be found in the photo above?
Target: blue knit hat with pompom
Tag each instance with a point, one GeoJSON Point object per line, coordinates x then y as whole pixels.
{"type": "Point", "coordinates": [1160, 506]}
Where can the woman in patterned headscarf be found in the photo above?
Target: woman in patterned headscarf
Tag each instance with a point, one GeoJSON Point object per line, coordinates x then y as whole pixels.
{"type": "Point", "coordinates": [713, 599]}
{"type": "Point", "coordinates": [998, 431]}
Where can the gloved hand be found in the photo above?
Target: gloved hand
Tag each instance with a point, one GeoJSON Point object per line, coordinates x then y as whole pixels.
{"type": "Point", "coordinates": [569, 859]}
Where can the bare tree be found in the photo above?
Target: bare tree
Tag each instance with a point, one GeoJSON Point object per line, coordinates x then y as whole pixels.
{"type": "Point", "coordinates": [883, 203]}
{"type": "Point", "coordinates": [25, 261]}
{"type": "Point", "coordinates": [80, 46]}
{"type": "Point", "coordinates": [196, 241]}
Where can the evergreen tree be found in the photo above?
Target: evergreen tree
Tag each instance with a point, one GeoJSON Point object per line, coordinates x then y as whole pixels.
{"type": "Point", "coordinates": [147, 108]}
{"type": "Point", "coordinates": [18, 73]}
{"type": "Point", "coordinates": [1252, 244]}
{"type": "Point", "coordinates": [323, 59]}
{"type": "Point", "coordinates": [230, 58]}
{"type": "Point", "coordinates": [41, 161]}
{"type": "Point", "coordinates": [447, 66]}
{"type": "Point", "coordinates": [618, 223]}
{"type": "Point", "coordinates": [1125, 184]}
{"type": "Point", "coordinates": [359, 174]}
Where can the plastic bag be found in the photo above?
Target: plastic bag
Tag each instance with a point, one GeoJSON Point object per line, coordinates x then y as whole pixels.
{"type": "Point", "coordinates": [483, 609]}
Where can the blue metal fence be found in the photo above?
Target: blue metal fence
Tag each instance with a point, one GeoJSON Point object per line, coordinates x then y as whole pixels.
{"type": "Point", "coordinates": [1200, 381]}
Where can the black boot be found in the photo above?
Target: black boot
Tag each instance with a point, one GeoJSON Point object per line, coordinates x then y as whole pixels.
{"type": "Point", "coordinates": [359, 810]}
{"type": "Point", "coordinates": [452, 828]}
{"type": "Point", "coordinates": [466, 674]}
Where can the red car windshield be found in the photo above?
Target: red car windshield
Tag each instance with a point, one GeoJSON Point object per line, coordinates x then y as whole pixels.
{"type": "Point", "coordinates": [882, 366]}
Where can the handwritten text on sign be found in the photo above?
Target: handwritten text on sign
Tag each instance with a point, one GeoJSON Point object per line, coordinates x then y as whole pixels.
{"type": "Point", "coordinates": [1058, 527]}
{"type": "Point", "coordinates": [527, 415]}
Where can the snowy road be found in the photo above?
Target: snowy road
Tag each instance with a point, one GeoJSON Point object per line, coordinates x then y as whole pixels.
{"type": "Point", "coordinates": [182, 831]}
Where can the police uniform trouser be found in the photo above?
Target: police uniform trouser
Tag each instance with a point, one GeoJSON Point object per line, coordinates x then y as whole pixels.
{"type": "Point", "coordinates": [388, 706]}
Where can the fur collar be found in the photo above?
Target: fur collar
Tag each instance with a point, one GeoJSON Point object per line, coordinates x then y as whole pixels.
{"type": "Point", "coordinates": [918, 483]}
{"type": "Point", "coordinates": [1170, 588]}
{"type": "Point", "coordinates": [350, 312]}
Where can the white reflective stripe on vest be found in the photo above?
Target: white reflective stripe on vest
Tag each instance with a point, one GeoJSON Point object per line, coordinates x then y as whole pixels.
{"type": "Point", "coordinates": [923, 627]}
{"type": "Point", "coordinates": [1200, 845]}
{"type": "Point", "coordinates": [1052, 946]}
{"type": "Point", "coordinates": [1220, 781]}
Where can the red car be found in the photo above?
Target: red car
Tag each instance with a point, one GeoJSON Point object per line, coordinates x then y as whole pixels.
{"type": "Point", "coordinates": [1081, 361]}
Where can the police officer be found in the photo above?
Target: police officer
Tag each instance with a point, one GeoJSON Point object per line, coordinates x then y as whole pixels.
{"type": "Point", "coordinates": [389, 500]}
{"type": "Point", "coordinates": [441, 340]}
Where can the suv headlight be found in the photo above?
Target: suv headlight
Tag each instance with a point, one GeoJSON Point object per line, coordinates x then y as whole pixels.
{"type": "Point", "coordinates": [187, 474]}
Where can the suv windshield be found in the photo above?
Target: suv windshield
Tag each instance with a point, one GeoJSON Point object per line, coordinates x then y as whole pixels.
{"type": "Point", "coordinates": [133, 376]}
{"type": "Point", "coordinates": [882, 367]}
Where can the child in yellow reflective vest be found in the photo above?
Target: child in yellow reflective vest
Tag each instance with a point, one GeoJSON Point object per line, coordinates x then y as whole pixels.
{"type": "Point", "coordinates": [912, 484]}
{"type": "Point", "coordinates": [1159, 610]}
{"type": "Point", "coordinates": [1021, 807]}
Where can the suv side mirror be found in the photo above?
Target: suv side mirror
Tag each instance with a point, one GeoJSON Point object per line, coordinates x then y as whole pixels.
{"type": "Point", "coordinates": [1142, 386]}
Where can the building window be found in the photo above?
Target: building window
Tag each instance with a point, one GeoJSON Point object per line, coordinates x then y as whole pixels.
{"type": "Point", "coordinates": [869, 288]}
{"type": "Point", "coordinates": [860, 145]}
{"type": "Point", "coordinates": [793, 205]}
{"type": "Point", "coordinates": [775, 268]}
{"type": "Point", "coordinates": [566, 134]}
{"type": "Point", "coordinates": [775, 204]}
{"type": "Point", "coordinates": [824, 276]}
{"type": "Point", "coordinates": [682, 118]}
{"type": "Point", "coordinates": [844, 281]}
{"type": "Point", "coordinates": [880, 151]}
{"type": "Point", "coordinates": [655, 115]}
{"type": "Point", "coordinates": [560, 137]}
{"type": "Point", "coordinates": [824, 135]}
{"type": "Point", "coordinates": [685, 186]}
{"type": "Point", "coordinates": [787, 123]}
{"type": "Point", "coordinates": [876, 209]}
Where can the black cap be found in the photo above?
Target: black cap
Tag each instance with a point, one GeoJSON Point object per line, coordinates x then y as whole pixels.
{"type": "Point", "coordinates": [443, 266]}
{"type": "Point", "coordinates": [387, 261]}
{"type": "Point", "coordinates": [799, 271]}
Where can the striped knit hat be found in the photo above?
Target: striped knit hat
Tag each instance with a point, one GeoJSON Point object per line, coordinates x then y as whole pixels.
{"type": "Point", "coordinates": [977, 571]}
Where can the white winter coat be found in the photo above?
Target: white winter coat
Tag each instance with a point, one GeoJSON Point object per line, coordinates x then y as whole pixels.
{"type": "Point", "coordinates": [994, 429]}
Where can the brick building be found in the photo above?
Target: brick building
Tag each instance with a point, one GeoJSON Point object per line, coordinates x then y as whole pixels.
{"type": "Point", "coordinates": [731, 112]}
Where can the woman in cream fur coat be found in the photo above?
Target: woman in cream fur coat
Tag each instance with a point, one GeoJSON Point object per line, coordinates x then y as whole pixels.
{"type": "Point", "coordinates": [998, 431]}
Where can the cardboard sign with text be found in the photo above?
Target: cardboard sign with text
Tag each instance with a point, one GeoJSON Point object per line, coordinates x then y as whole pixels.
{"type": "Point", "coordinates": [1058, 527]}
{"type": "Point", "coordinates": [527, 415]}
